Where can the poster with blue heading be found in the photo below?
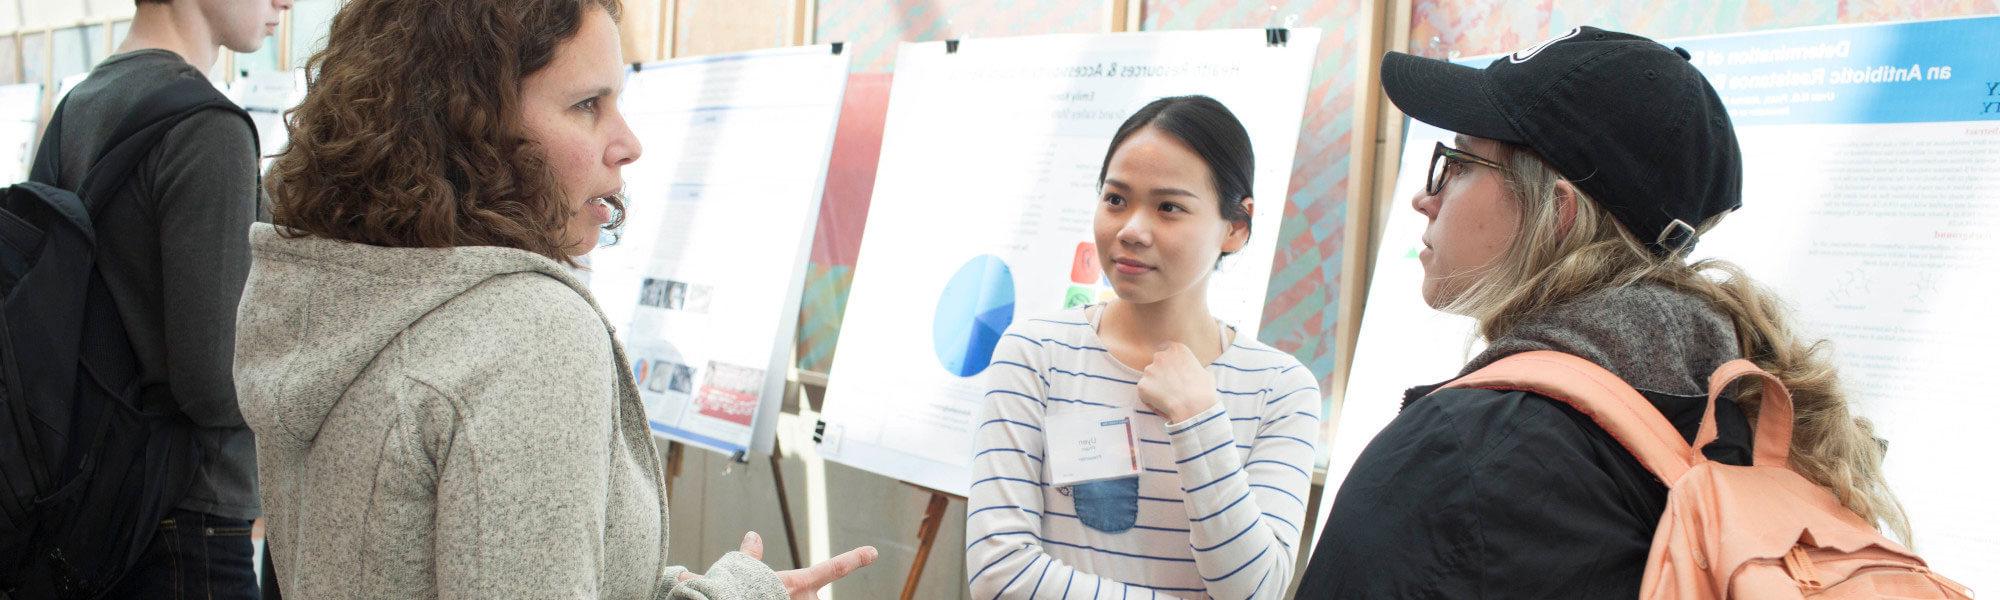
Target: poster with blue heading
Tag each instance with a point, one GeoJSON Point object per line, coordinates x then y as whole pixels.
{"type": "Point", "coordinates": [1871, 204]}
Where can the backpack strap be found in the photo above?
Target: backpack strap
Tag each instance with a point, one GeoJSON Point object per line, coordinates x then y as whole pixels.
{"type": "Point", "coordinates": [134, 137]}
{"type": "Point", "coordinates": [1773, 445]}
{"type": "Point", "coordinates": [1609, 402]}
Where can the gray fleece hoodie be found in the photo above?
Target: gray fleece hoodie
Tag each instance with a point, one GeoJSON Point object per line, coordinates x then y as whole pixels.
{"type": "Point", "coordinates": [451, 423]}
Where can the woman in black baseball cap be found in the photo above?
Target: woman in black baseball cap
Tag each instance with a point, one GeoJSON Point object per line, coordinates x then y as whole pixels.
{"type": "Point", "coordinates": [1560, 218]}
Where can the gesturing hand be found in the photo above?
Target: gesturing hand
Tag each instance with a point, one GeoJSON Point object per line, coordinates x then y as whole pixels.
{"type": "Point", "coordinates": [804, 584]}
{"type": "Point", "coordinates": [1175, 384]}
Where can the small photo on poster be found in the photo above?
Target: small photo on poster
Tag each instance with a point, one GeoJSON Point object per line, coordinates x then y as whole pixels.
{"type": "Point", "coordinates": [681, 379]}
{"type": "Point", "coordinates": [730, 393]}
{"type": "Point", "coordinates": [653, 292]}
{"type": "Point", "coordinates": [656, 377]}
{"type": "Point", "coordinates": [669, 294]}
{"type": "Point", "coordinates": [698, 298]}
{"type": "Point", "coordinates": [663, 377]}
{"type": "Point", "coordinates": [677, 293]}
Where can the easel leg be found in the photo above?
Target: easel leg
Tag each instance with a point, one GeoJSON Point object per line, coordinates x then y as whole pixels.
{"type": "Point", "coordinates": [785, 504]}
{"type": "Point", "coordinates": [673, 466]}
{"type": "Point", "coordinates": [926, 534]}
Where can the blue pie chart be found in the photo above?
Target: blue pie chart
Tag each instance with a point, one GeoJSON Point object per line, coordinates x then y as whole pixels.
{"type": "Point", "coordinates": [974, 310]}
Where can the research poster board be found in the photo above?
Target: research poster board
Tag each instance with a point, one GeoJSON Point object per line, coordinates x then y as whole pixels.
{"type": "Point", "coordinates": [705, 278]}
{"type": "Point", "coordinates": [1871, 202]}
{"type": "Point", "coordinates": [20, 112]}
{"type": "Point", "coordinates": [266, 96]}
{"type": "Point", "coordinates": [982, 215]}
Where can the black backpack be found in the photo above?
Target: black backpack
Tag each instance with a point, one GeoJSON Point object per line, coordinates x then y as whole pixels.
{"type": "Point", "coordinates": [89, 462]}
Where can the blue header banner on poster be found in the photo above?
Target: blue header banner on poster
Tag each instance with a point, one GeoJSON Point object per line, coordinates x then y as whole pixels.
{"type": "Point", "coordinates": [1925, 71]}
{"type": "Point", "coordinates": [1914, 72]}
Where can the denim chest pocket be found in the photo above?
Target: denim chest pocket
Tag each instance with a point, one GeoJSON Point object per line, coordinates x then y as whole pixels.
{"type": "Point", "coordinates": [1110, 506]}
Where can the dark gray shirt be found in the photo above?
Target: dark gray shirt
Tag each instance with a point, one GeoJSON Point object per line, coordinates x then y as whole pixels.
{"type": "Point", "coordinates": [174, 250]}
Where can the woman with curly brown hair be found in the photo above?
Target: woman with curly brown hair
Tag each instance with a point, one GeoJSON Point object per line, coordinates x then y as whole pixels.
{"type": "Point", "coordinates": [440, 407]}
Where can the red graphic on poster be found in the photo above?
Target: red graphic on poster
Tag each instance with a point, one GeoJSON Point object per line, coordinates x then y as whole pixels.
{"type": "Point", "coordinates": [730, 393]}
{"type": "Point", "coordinates": [1084, 269]}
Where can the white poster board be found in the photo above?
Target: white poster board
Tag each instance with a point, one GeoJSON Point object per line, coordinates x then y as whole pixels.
{"type": "Point", "coordinates": [69, 83]}
{"type": "Point", "coordinates": [266, 96]}
{"type": "Point", "coordinates": [20, 112]}
{"type": "Point", "coordinates": [1871, 199]}
{"type": "Point", "coordinates": [706, 279]}
{"type": "Point", "coordinates": [982, 213]}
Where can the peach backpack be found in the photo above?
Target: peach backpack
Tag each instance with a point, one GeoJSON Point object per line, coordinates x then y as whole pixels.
{"type": "Point", "coordinates": [1761, 531]}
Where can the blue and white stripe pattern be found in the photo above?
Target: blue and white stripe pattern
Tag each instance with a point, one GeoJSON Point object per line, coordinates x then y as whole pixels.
{"type": "Point", "coordinates": [1220, 501]}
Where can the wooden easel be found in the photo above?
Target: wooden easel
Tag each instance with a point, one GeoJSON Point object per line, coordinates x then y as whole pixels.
{"type": "Point", "coordinates": [795, 390]}
{"type": "Point", "coordinates": [784, 504]}
{"type": "Point", "coordinates": [673, 466]}
{"type": "Point", "coordinates": [674, 457]}
{"type": "Point", "coordinates": [927, 529]}
{"type": "Point", "coordinates": [926, 535]}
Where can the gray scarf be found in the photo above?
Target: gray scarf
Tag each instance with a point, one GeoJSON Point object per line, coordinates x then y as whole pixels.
{"type": "Point", "coordinates": [1657, 338]}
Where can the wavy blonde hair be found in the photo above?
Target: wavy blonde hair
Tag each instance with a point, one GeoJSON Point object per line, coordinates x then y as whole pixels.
{"type": "Point", "coordinates": [1547, 265]}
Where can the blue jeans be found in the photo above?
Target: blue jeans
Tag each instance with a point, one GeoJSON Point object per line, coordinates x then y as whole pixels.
{"type": "Point", "coordinates": [194, 555]}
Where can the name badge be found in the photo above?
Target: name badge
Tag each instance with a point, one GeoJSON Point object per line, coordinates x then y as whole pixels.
{"type": "Point", "coordinates": [1091, 445]}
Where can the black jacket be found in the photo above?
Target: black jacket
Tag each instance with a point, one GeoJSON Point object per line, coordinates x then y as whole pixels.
{"type": "Point", "coordinates": [1486, 494]}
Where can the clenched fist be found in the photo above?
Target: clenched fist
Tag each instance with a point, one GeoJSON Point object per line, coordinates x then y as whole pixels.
{"type": "Point", "coordinates": [1176, 384]}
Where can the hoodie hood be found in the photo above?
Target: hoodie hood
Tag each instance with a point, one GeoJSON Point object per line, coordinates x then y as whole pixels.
{"type": "Point", "coordinates": [316, 312]}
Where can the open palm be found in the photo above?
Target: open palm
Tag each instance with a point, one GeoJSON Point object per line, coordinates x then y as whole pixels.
{"type": "Point", "coordinates": [804, 584]}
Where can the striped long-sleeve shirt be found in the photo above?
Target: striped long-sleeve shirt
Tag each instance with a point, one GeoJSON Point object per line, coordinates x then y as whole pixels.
{"type": "Point", "coordinates": [1219, 502]}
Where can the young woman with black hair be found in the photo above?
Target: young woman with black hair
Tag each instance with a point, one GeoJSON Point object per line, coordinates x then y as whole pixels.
{"type": "Point", "coordinates": [1225, 425]}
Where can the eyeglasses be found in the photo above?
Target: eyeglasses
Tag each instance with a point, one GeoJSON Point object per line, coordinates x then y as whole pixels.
{"type": "Point", "coordinates": [1444, 158]}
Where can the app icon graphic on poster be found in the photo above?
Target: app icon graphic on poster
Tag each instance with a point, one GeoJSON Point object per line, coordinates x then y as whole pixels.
{"type": "Point", "coordinates": [1088, 283]}
{"type": "Point", "coordinates": [1084, 269]}
{"type": "Point", "coordinates": [1078, 296]}
{"type": "Point", "coordinates": [730, 393]}
{"type": "Point", "coordinates": [975, 309]}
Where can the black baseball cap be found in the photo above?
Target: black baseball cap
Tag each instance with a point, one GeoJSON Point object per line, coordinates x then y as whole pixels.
{"type": "Point", "coordinates": [1628, 121]}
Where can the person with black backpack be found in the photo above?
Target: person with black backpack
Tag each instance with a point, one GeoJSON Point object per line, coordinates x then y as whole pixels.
{"type": "Point", "coordinates": [129, 471]}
